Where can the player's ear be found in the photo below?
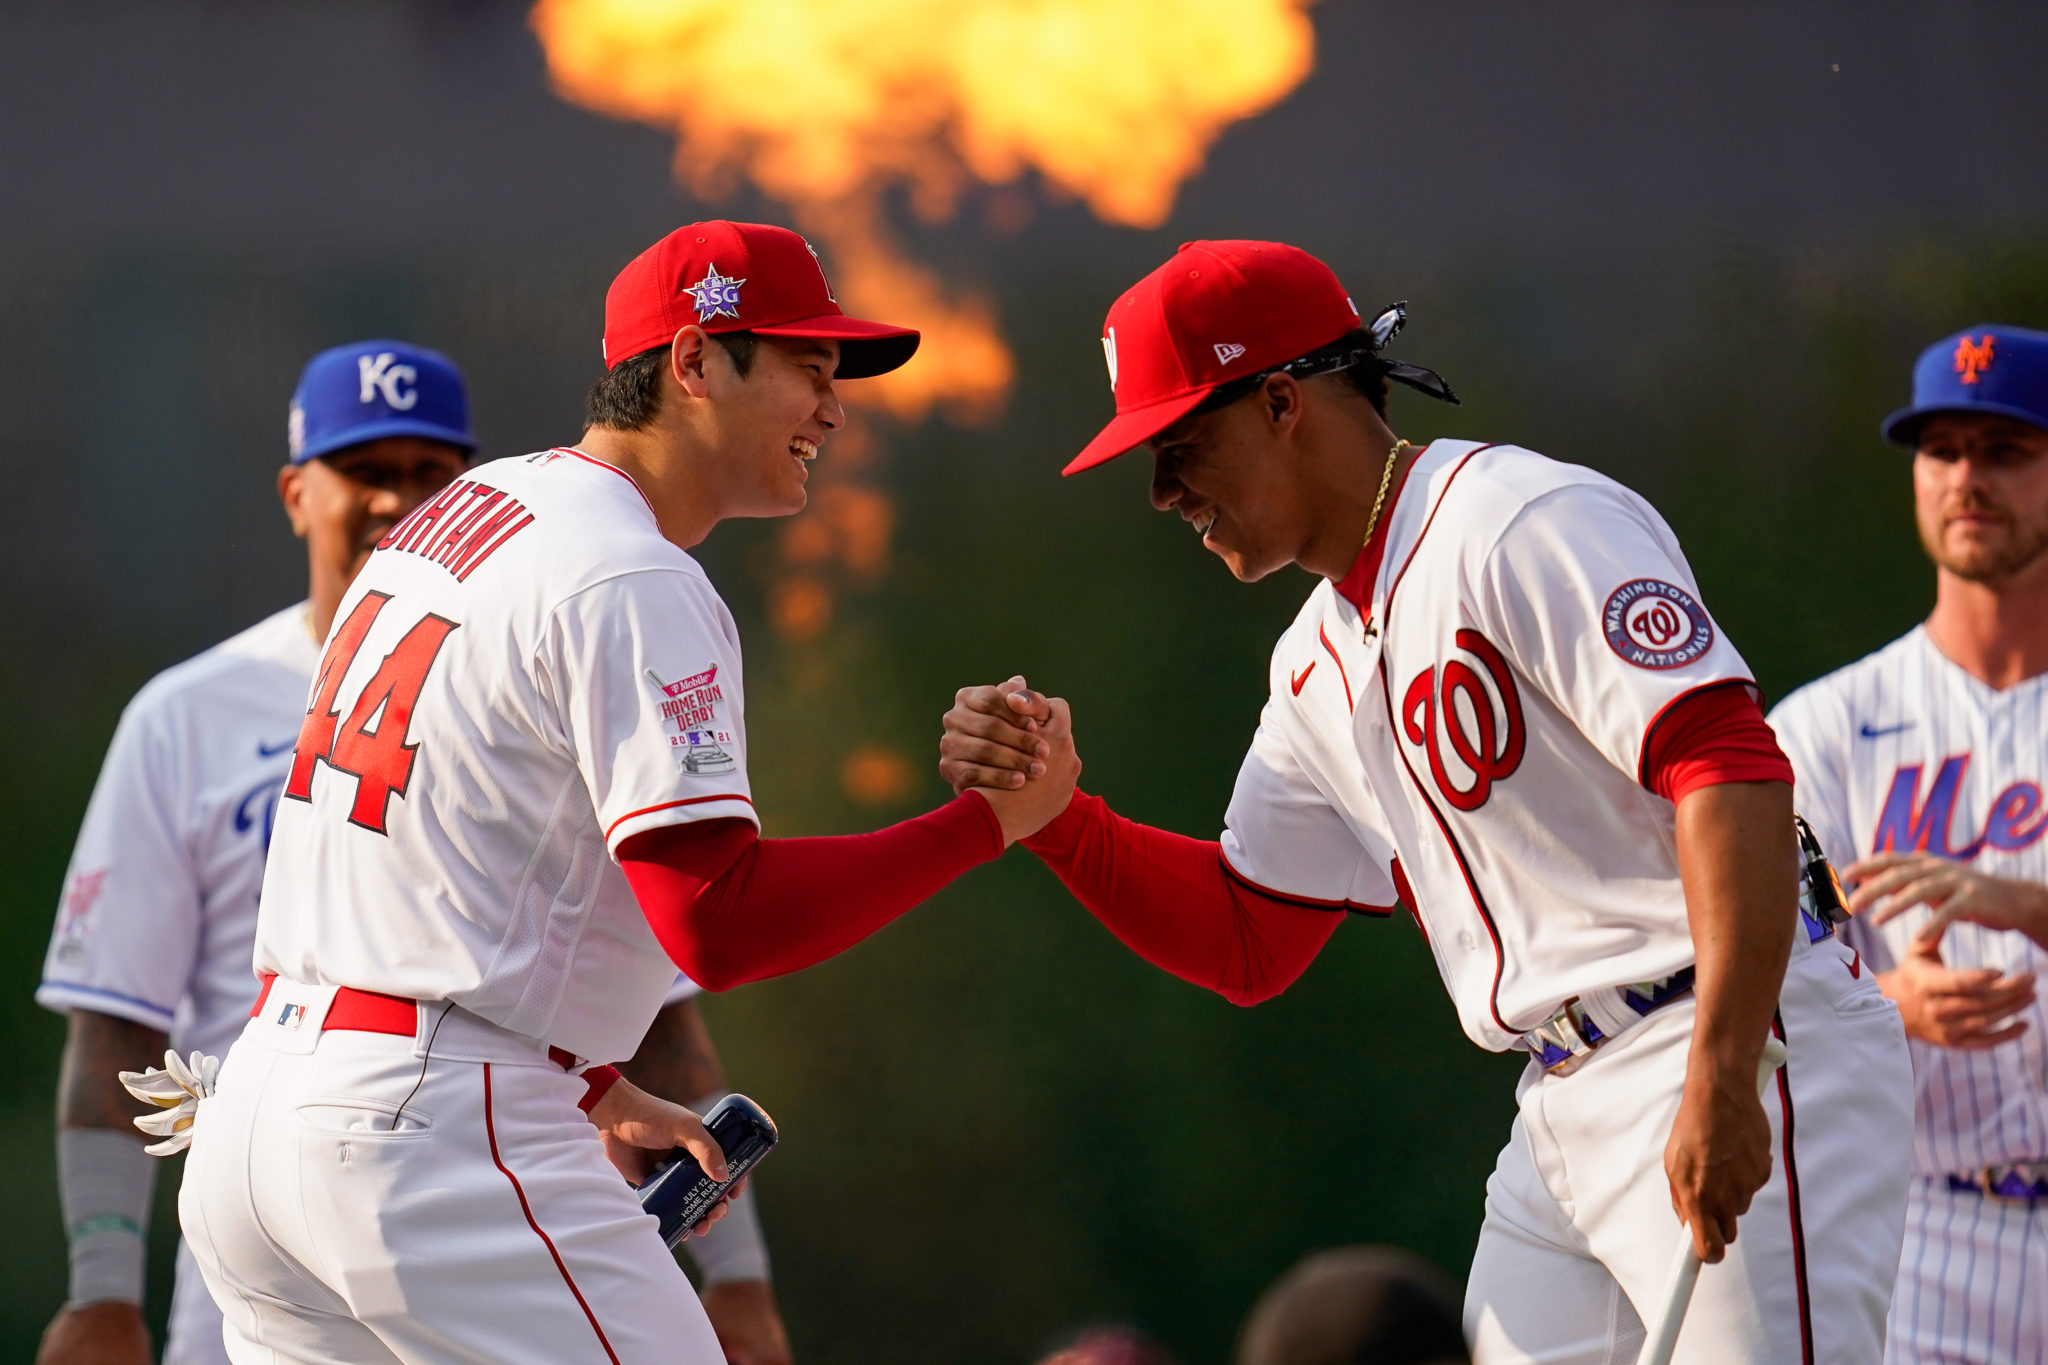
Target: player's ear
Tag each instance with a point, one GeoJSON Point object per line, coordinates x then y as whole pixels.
{"type": "Point", "coordinates": [291, 491]}
{"type": "Point", "coordinates": [1281, 400]}
{"type": "Point", "coordinates": [686, 360]}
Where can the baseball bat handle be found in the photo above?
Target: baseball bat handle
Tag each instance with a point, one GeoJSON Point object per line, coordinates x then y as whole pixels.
{"type": "Point", "coordinates": [1662, 1330]}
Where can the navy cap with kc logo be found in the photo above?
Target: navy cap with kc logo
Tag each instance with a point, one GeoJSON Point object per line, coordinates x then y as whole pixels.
{"type": "Point", "coordinates": [374, 389]}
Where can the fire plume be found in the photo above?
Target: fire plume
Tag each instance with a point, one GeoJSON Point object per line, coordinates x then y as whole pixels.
{"type": "Point", "coordinates": [823, 104]}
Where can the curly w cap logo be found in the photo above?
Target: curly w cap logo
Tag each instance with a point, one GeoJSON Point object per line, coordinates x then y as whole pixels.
{"type": "Point", "coordinates": [1109, 355]}
{"type": "Point", "coordinates": [1654, 624]}
{"type": "Point", "coordinates": [1973, 357]}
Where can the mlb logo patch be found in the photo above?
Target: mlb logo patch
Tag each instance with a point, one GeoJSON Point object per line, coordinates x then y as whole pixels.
{"type": "Point", "coordinates": [291, 1016]}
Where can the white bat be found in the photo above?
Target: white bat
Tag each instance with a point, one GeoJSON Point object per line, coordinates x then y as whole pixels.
{"type": "Point", "coordinates": [1685, 1262]}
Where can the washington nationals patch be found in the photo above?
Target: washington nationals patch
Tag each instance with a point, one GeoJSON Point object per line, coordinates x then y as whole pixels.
{"type": "Point", "coordinates": [1654, 624]}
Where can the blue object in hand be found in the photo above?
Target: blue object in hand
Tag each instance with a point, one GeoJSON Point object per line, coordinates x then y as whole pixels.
{"type": "Point", "coordinates": [680, 1194]}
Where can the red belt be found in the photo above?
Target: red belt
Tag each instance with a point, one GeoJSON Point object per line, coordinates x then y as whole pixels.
{"type": "Point", "coordinates": [371, 1012]}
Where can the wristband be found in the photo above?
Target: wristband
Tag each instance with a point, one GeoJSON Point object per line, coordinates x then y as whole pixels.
{"type": "Point", "coordinates": [733, 1248]}
{"type": "Point", "coordinates": [597, 1082]}
{"type": "Point", "coordinates": [105, 1183]}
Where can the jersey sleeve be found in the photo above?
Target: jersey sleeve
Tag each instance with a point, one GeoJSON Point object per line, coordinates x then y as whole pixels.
{"type": "Point", "coordinates": [643, 671]}
{"type": "Point", "coordinates": [1595, 604]}
{"type": "Point", "coordinates": [681, 989]}
{"type": "Point", "coordinates": [1813, 729]}
{"type": "Point", "coordinates": [128, 919]}
{"type": "Point", "coordinates": [1282, 836]}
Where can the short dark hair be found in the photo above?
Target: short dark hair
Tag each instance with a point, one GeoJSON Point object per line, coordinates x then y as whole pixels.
{"type": "Point", "coordinates": [628, 395]}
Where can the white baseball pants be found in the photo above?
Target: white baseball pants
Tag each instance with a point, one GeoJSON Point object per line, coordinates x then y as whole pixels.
{"type": "Point", "coordinates": [193, 1336]}
{"type": "Point", "coordinates": [348, 1202]}
{"type": "Point", "coordinates": [1973, 1282]}
{"type": "Point", "coordinates": [1579, 1230]}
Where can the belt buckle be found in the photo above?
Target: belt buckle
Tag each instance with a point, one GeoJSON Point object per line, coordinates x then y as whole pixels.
{"type": "Point", "coordinates": [1988, 1183]}
{"type": "Point", "coordinates": [1569, 1032]}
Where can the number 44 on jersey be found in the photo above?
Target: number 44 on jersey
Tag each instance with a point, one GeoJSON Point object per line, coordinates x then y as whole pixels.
{"type": "Point", "coordinates": [370, 745]}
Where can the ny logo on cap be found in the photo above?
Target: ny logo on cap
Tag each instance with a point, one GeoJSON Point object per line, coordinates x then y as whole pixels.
{"type": "Point", "coordinates": [1974, 357]}
{"type": "Point", "coordinates": [1109, 354]}
{"type": "Point", "coordinates": [382, 374]}
{"type": "Point", "coordinates": [716, 296]}
{"type": "Point", "coordinates": [1227, 351]}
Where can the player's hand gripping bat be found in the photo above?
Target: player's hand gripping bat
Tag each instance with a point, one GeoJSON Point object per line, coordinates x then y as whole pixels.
{"type": "Point", "coordinates": [1685, 1263]}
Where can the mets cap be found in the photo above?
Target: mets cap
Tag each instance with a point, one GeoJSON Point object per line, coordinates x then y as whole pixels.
{"type": "Point", "coordinates": [369, 390]}
{"type": "Point", "coordinates": [741, 277]}
{"type": "Point", "coordinates": [1991, 369]}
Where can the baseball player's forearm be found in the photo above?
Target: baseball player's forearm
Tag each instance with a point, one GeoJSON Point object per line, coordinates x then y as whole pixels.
{"type": "Point", "coordinates": [1738, 860]}
{"type": "Point", "coordinates": [97, 1047]}
{"type": "Point", "coordinates": [1169, 899]}
{"type": "Point", "coordinates": [676, 1059]}
{"type": "Point", "coordinates": [730, 907]}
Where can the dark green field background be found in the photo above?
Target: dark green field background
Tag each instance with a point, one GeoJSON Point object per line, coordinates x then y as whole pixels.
{"type": "Point", "coordinates": [998, 1123]}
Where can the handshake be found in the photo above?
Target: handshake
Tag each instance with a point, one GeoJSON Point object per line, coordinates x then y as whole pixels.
{"type": "Point", "coordinates": [1017, 747]}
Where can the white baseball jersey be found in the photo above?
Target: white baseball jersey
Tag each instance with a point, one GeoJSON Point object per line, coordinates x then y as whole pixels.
{"type": "Point", "coordinates": [524, 674]}
{"type": "Point", "coordinates": [1904, 751]}
{"type": "Point", "coordinates": [1534, 621]}
{"type": "Point", "coordinates": [159, 907]}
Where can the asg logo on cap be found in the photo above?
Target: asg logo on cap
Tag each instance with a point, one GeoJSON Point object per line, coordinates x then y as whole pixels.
{"type": "Point", "coordinates": [1973, 357]}
{"type": "Point", "coordinates": [716, 296]}
{"type": "Point", "coordinates": [382, 374]}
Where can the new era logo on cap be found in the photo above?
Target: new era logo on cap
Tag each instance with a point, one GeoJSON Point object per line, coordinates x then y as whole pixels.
{"type": "Point", "coordinates": [1227, 351]}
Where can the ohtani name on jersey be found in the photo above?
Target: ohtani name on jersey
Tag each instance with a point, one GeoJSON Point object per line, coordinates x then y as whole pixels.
{"type": "Point", "coordinates": [460, 527]}
{"type": "Point", "coordinates": [2016, 821]}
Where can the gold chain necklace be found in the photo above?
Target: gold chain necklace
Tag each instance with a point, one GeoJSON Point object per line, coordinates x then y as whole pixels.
{"type": "Point", "coordinates": [1386, 478]}
{"type": "Point", "coordinates": [1379, 503]}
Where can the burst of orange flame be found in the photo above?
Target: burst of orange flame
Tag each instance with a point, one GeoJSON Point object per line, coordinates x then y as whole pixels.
{"type": "Point", "coordinates": [823, 103]}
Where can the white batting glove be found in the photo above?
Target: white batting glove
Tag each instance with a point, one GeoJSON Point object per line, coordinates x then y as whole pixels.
{"type": "Point", "coordinates": [176, 1091]}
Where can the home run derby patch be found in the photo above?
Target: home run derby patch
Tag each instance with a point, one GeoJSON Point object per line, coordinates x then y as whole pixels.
{"type": "Point", "coordinates": [1654, 624]}
{"type": "Point", "coordinates": [691, 706]}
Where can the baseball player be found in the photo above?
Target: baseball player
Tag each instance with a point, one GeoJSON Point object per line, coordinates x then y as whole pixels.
{"type": "Point", "coordinates": [518, 801]}
{"type": "Point", "coordinates": [155, 929]}
{"type": "Point", "coordinates": [1506, 708]}
{"type": "Point", "coordinates": [1926, 761]}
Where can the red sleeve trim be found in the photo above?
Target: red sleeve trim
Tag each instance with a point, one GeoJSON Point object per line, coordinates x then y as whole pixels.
{"type": "Point", "coordinates": [597, 1083]}
{"type": "Point", "coordinates": [1710, 735]}
{"type": "Point", "coordinates": [1305, 902]}
{"type": "Point", "coordinates": [671, 805]}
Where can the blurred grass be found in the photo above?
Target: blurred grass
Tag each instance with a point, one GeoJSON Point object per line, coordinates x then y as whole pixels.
{"type": "Point", "coordinates": [998, 1122]}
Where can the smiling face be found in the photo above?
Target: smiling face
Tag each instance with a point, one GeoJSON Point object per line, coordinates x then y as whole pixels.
{"type": "Point", "coordinates": [1235, 478]}
{"type": "Point", "coordinates": [1980, 492]}
{"type": "Point", "coordinates": [771, 422]}
{"type": "Point", "coordinates": [342, 504]}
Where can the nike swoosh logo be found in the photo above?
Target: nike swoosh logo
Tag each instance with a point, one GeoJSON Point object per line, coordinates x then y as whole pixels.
{"type": "Point", "coordinates": [267, 751]}
{"type": "Point", "coordinates": [1869, 731]}
{"type": "Point", "coordinates": [1299, 678]}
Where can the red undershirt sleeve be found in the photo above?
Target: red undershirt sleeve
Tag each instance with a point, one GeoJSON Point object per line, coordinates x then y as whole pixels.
{"type": "Point", "coordinates": [1717, 734]}
{"type": "Point", "coordinates": [730, 907]}
{"type": "Point", "coordinates": [1173, 901]}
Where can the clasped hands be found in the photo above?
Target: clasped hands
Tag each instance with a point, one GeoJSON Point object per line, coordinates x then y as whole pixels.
{"type": "Point", "coordinates": [1017, 747]}
{"type": "Point", "coordinates": [1973, 1007]}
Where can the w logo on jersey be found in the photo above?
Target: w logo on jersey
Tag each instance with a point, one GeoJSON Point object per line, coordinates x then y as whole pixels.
{"type": "Point", "coordinates": [1483, 726]}
{"type": "Point", "coordinates": [1907, 826]}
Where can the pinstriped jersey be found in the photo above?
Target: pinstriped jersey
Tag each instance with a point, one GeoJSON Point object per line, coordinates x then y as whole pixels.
{"type": "Point", "coordinates": [1474, 738]}
{"type": "Point", "coordinates": [1905, 751]}
{"type": "Point", "coordinates": [524, 675]}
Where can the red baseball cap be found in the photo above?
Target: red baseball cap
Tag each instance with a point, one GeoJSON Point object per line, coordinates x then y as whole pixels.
{"type": "Point", "coordinates": [1217, 311]}
{"type": "Point", "coordinates": [740, 277]}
